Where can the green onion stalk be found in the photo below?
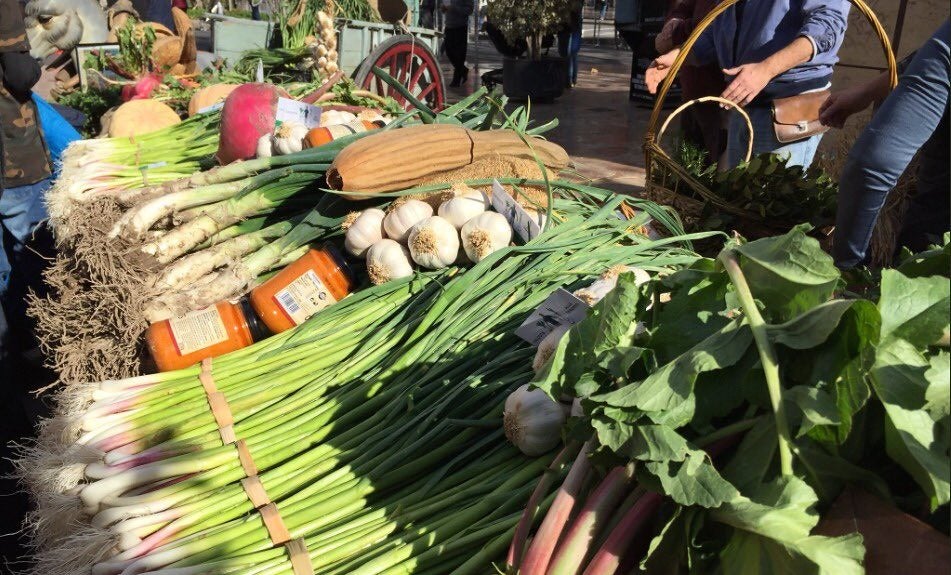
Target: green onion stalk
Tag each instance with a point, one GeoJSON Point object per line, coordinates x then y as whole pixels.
{"type": "Point", "coordinates": [352, 406]}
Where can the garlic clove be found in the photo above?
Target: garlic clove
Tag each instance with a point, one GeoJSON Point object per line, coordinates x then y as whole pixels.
{"type": "Point", "coordinates": [547, 346]}
{"type": "Point", "coordinates": [532, 420]}
{"type": "Point", "coordinates": [365, 231]}
{"type": "Point", "coordinates": [434, 243]}
{"type": "Point", "coordinates": [486, 233]}
{"type": "Point", "coordinates": [401, 220]}
{"type": "Point", "coordinates": [465, 205]}
{"type": "Point", "coordinates": [388, 260]}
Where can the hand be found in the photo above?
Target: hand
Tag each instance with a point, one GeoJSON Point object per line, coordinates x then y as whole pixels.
{"type": "Point", "coordinates": [748, 81]}
{"type": "Point", "coordinates": [659, 69]}
{"type": "Point", "coordinates": [840, 105]}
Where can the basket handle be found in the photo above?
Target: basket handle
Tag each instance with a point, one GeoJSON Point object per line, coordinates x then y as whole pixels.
{"type": "Point", "coordinates": [725, 102]}
{"type": "Point", "coordinates": [722, 7]}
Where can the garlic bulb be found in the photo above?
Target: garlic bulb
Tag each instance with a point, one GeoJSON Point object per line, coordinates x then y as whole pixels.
{"type": "Point", "coordinates": [547, 346]}
{"type": "Point", "coordinates": [532, 420]}
{"type": "Point", "coordinates": [434, 243]}
{"type": "Point", "coordinates": [336, 118]}
{"type": "Point", "coordinates": [265, 147]}
{"type": "Point", "coordinates": [484, 234]}
{"type": "Point", "coordinates": [602, 286]}
{"type": "Point", "coordinates": [364, 232]}
{"type": "Point", "coordinates": [388, 260]}
{"type": "Point", "coordinates": [289, 138]}
{"type": "Point", "coordinates": [467, 204]}
{"type": "Point", "coordinates": [401, 220]}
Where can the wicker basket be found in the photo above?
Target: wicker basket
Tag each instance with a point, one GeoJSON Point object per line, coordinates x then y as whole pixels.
{"type": "Point", "coordinates": [669, 183]}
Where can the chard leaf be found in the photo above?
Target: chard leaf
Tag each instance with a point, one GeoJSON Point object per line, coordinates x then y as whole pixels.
{"type": "Point", "coordinates": [811, 328]}
{"type": "Point", "coordinates": [772, 534]}
{"type": "Point", "coordinates": [913, 437]}
{"type": "Point", "coordinates": [838, 366]}
{"type": "Point", "coordinates": [693, 481]}
{"type": "Point", "coordinates": [666, 395]}
{"type": "Point", "coordinates": [914, 309]}
{"type": "Point", "coordinates": [789, 274]}
{"type": "Point", "coordinates": [934, 262]}
{"type": "Point", "coordinates": [816, 406]}
{"type": "Point", "coordinates": [694, 313]}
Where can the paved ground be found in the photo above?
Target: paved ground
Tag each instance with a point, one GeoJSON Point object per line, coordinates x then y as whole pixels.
{"type": "Point", "coordinates": [599, 127]}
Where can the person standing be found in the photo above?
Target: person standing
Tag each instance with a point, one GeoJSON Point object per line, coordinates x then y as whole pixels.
{"type": "Point", "coordinates": [26, 167]}
{"type": "Point", "coordinates": [427, 14]}
{"type": "Point", "coordinates": [777, 56]}
{"type": "Point", "coordinates": [913, 119]}
{"type": "Point", "coordinates": [702, 124]}
{"type": "Point", "coordinates": [569, 41]}
{"type": "Point", "coordinates": [456, 34]}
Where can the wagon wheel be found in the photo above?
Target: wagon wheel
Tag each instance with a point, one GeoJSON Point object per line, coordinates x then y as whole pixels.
{"type": "Point", "coordinates": [412, 63]}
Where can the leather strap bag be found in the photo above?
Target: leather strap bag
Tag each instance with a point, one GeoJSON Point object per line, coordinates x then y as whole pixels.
{"type": "Point", "coordinates": [797, 117]}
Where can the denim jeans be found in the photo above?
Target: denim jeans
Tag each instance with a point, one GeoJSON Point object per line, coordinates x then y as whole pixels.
{"type": "Point", "coordinates": [21, 209]}
{"type": "Point", "coordinates": [912, 118]}
{"type": "Point", "coordinates": [569, 45]}
{"type": "Point", "coordinates": [799, 153]}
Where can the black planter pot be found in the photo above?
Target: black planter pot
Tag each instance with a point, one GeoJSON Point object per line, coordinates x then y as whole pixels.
{"type": "Point", "coordinates": [543, 79]}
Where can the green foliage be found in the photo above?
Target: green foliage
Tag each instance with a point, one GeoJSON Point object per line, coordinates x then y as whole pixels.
{"type": "Point", "coordinates": [135, 48]}
{"type": "Point", "coordinates": [859, 379]}
{"type": "Point", "coordinates": [766, 185]}
{"type": "Point", "coordinates": [529, 19]}
{"type": "Point", "coordinates": [93, 104]}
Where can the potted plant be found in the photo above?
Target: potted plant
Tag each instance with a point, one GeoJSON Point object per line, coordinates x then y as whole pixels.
{"type": "Point", "coordinates": [538, 75]}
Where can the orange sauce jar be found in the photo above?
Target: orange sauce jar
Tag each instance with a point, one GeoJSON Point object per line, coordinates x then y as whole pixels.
{"type": "Point", "coordinates": [317, 280]}
{"type": "Point", "coordinates": [321, 135]}
{"type": "Point", "coordinates": [186, 340]}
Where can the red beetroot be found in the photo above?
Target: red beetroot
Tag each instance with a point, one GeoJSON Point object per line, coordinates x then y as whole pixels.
{"type": "Point", "coordinates": [248, 114]}
{"type": "Point", "coordinates": [142, 88]}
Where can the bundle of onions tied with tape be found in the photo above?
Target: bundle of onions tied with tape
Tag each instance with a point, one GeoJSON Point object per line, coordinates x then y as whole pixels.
{"type": "Point", "coordinates": [368, 440]}
{"type": "Point", "coordinates": [190, 242]}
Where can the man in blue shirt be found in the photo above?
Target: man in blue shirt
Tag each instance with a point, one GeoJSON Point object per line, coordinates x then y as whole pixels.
{"type": "Point", "coordinates": [770, 50]}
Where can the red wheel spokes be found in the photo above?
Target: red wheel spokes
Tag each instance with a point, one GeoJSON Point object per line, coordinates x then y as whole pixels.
{"type": "Point", "coordinates": [412, 66]}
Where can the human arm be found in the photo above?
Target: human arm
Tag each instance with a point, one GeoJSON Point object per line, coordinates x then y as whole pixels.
{"type": "Point", "coordinates": [844, 103]}
{"type": "Point", "coordinates": [19, 70]}
{"type": "Point", "coordinates": [750, 79]}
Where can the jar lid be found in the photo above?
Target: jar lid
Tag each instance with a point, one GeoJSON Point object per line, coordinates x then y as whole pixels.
{"type": "Point", "coordinates": [257, 327]}
{"type": "Point", "coordinates": [337, 256]}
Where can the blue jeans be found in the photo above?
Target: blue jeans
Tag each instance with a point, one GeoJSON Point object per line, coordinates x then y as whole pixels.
{"type": "Point", "coordinates": [569, 45]}
{"type": "Point", "coordinates": [799, 153]}
{"type": "Point", "coordinates": [912, 118]}
{"type": "Point", "coordinates": [21, 210]}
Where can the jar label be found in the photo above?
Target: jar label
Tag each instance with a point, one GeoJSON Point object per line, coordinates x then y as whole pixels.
{"type": "Point", "coordinates": [304, 297]}
{"type": "Point", "coordinates": [198, 330]}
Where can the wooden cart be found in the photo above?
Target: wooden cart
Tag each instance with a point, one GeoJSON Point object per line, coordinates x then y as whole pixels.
{"type": "Point", "coordinates": [408, 53]}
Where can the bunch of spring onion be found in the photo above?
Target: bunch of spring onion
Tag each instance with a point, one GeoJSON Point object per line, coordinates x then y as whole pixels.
{"type": "Point", "coordinates": [376, 428]}
{"type": "Point", "coordinates": [121, 168]}
{"type": "Point", "coordinates": [189, 243]}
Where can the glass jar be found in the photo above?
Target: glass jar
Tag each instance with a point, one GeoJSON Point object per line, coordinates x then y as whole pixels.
{"type": "Point", "coordinates": [186, 340]}
{"type": "Point", "coordinates": [319, 279]}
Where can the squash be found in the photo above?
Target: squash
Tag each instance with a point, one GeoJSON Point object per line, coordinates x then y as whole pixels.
{"type": "Point", "coordinates": [209, 96]}
{"type": "Point", "coordinates": [137, 117]}
{"type": "Point", "coordinates": [167, 52]}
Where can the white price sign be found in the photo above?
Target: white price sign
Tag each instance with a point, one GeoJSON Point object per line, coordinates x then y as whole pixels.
{"type": "Point", "coordinates": [522, 224]}
{"type": "Point", "coordinates": [298, 112]}
{"type": "Point", "coordinates": [561, 308]}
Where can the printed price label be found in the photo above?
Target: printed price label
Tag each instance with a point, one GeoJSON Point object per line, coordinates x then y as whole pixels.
{"type": "Point", "coordinates": [299, 112]}
{"type": "Point", "coordinates": [304, 297]}
{"type": "Point", "coordinates": [198, 330]}
{"type": "Point", "coordinates": [561, 308]}
{"type": "Point", "coordinates": [212, 108]}
{"type": "Point", "coordinates": [522, 223]}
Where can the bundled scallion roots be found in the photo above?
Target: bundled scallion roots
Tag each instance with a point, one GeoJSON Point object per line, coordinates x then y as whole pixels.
{"type": "Point", "coordinates": [375, 427]}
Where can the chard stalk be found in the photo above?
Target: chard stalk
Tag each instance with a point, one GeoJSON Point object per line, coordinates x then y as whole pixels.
{"type": "Point", "coordinates": [767, 354]}
{"type": "Point", "coordinates": [590, 522]}
{"type": "Point", "coordinates": [608, 557]}
{"type": "Point", "coordinates": [549, 534]}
